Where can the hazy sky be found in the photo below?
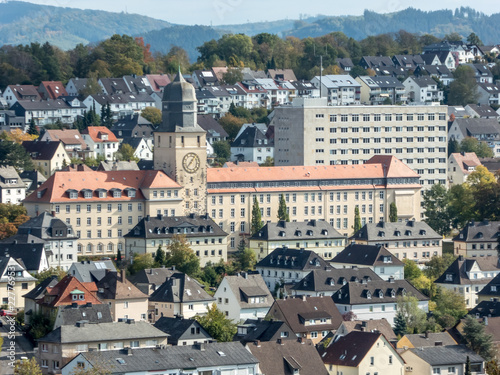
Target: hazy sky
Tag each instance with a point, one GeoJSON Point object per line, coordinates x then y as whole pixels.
{"type": "Point", "coordinates": [217, 12]}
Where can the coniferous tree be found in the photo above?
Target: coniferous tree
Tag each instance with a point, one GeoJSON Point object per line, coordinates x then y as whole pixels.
{"type": "Point", "coordinates": [160, 256]}
{"type": "Point", "coordinates": [282, 211]}
{"type": "Point", "coordinates": [256, 217]}
{"type": "Point", "coordinates": [32, 130]}
{"type": "Point", "coordinates": [400, 327]}
{"type": "Point", "coordinates": [357, 220]}
{"type": "Point", "coordinates": [119, 256]}
{"type": "Point", "coordinates": [476, 338]}
{"type": "Point", "coordinates": [467, 366]}
{"type": "Point", "coordinates": [393, 212]}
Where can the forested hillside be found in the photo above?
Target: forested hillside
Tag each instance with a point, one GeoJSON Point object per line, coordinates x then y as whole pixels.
{"type": "Point", "coordinates": [23, 23]}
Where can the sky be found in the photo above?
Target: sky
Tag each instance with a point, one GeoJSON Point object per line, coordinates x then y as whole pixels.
{"type": "Point", "coordinates": [224, 12]}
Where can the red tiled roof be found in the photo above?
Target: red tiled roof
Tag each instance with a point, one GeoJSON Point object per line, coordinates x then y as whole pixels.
{"type": "Point", "coordinates": [55, 89]}
{"type": "Point", "coordinates": [56, 187]}
{"type": "Point", "coordinates": [377, 167]}
{"type": "Point", "coordinates": [158, 81]}
{"type": "Point", "coordinates": [62, 292]}
{"type": "Point", "coordinates": [97, 132]}
{"type": "Point", "coordinates": [468, 159]}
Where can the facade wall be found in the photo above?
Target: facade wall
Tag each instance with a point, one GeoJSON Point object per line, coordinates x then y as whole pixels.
{"type": "Point", "coordinates": [475, 249]}
{"type": "Point", "coordinates": [188, 309]}
{"type": "Point", "coordinates": [273, 276]}
{"type": "Point", "coordinates": [128, 309]}
{"type": "Point", "coordinates": [323, 135]}
{"type": "Point", "coordinates": [15, 295]}
{"type": "Point", "coordinates": [101, 225]}
{"type": "Point", "coordinates": [232, 208]}
{"type": "Point", "coordinates": [420, 251]}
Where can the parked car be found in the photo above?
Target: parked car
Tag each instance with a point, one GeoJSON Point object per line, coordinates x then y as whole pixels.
{"type": "Point", "coordinates": [7, 313]}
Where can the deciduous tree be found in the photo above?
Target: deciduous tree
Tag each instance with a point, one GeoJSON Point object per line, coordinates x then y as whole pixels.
{"type": "Point", "coordinates": [152, 114]}
{"type": "Point", "coordinates": [126, 152]}
{"type": "Point", "coordinates": [217, 325]}
{"type": "Point", "coordinates": [182, 256]}
{"type": "Point", "coordinates": [27, 367]}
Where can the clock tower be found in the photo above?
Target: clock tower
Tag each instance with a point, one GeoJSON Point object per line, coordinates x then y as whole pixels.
{"type": "Point", "coordinates": [180, 144]}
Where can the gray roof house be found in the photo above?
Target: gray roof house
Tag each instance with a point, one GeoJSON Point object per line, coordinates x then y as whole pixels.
{"type": "Point", "coordinates": [477, 238]}
{"type": "Point", "coordinates": [69, 315]}
{"type": "Point", "coordinates": [252, 145]}
{"type": "Point", "coordinates": [450, 358]}
{"type": "Point", "coordinates": [214, 358]}
{"type": "Point", "coordinates": [414, 240]}
{"type": "Point", "coordinates": [12, 187]}
{"type": "Point", "coordinates": [483, 129]}
{"type": "Point", "coordinates": [325, 282]}
{"type": "Point", "coordinates": [316, 235]}
{"type": "Point", "coordinates": [243, 296]}
{"type": "Point", "coordinates": [286, 265]}
{"type": "Point", "coordinates": [149, 279]}
{"type": "Point", "coordinates": [180, 295]}
{"type": "Point", "coordinates": [183, 331]}
{"type": "Point", "coordinates": [91, 271]}
{"type": "Point", "coordinates": [263, 330]}
{"type": "Point", "coordinates": [132, 125]}
{"type": "Point", "coordinates": [376, 257]}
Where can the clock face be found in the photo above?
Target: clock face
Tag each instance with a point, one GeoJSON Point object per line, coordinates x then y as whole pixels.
{"type": "Point", "coordinates": [191, 162]}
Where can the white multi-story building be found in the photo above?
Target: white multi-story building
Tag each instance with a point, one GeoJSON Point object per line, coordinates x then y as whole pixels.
{"type": "Point", "coordinates": [309, 132]}
{"type": "Point", "coordinates": [338, 89]}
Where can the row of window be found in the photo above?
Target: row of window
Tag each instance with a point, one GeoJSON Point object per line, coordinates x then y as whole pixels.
{"type": "Point", "coordinates": [99, 247]}
{"type": "Point", "coordinates": [109, 221]}
{"type": "Point", "coordinates": [98, 207]}
{"type": "Point", "coordinates": [380, 140]}
{"type": "Point", "coordinates": [386, 117]}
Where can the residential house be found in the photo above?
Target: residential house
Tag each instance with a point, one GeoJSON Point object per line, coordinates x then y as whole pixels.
{"type": "Point", "coordinates": [52, 90]}
{"type": "Point", "coordinates": [125, 300]}
{"type": "Point", "coordinates": [31, 255]}
{"type": "Point", "coordinates": [182, 331]}
{"type": "Point", "coordinates": [113, 86]}
{"type": "Point", "coordinates": [215, 132]}
{"type": "Point", "coordinates": [150, 279]}
{"type": "Point", "coordinates": [68, 291]}
{"type": "Point", "coordinates": [409, 62]}
{"type": "Point", "coordinates": [284, 265]}
{"type": "Point", "coordinates": [376, 299]}
{"type": "Point", "coordinates": [373, 62]}
{"type": "Point", "coordinates": [61, 345]}
{"type": "Point", "coordinates": [491, 291]}
{"type": "Point", "coordinates": [371, 325]}
{"type": "Point", "coordinates": [58, 238]}
{"type": "Point", "coordinates": [375, 257]}
{"type": "Point", "coordinates": [443, 57]}
{"type": "Point", "coordinates": [14, 93]}
{"type": "Point", "coordinates": [118, 104]}
{"type": "Point", "coordinates": [48, 157]}
{"type": "Point", "coordinates": [285, 357]}
{"type": "Point", "coordinates": [304, 89]}
{"type": "Point", "coordinates": [75, 86]}
{"type": "Point", "coordinates": [477, 239]}
{"type": "Point", "coordinates": [281, 74]}
{"type": "Point", "coordinates": [338, 89]}
{"type": "Point", "coordinates": [422, 89]}
{"type": "Point", "coordinates": [180, 295]}
{"type": "Point", "coordinates": [205, 237]}
{"type": "Point", "coordinates": [252, 145]}
{"type": "Point", "coordinates": [243, 296]}
{"type": "Point", "coordinates": [326, 282]}
{"type": "Point", "coordinates": [213, 358]}
{"type": "Point", "coordinates": [203, 78]}
{"type": "Point", "coordinates": [70, 315]}
{"type": "Point", "coordinates": [414, 240]}
{"type": "Point", "coordinates": [237, 95]}
{"type": "Point", "coordinates": [278, 92]}
{"type": "Point", "coordinates": [137, 84]}
{"type": "Point", "coordinates": [133, 125]}
{"type": "Point", "coordinates": [489, 94]}
{"type": "Point", "coordinates": [492, 164]}
{"type": "Point", "coordinates": [449, 359]}
{"type": "Point", "coordinates": [481, 111]}
{"type": "Point", "coordinates": [489, 309]}
{"type": "Point", "coordinates": [12, 188]}
{"type": "Point", "coordinates": [255, 95]}
{"type": "Point", "coordinates": [88, 271]}
{"type": "Point", "coordinates": [460, 166]}
{"type": "Point", "coordinates": [32, 180]}
{"type": "Point", "coordinates": [158, 81]}
{"type": "Point", "coordinates": [101, 142]}
{"type": "Point", "coordinates": [469, 276]}
{"type": "Point", "coordinates": [440, 72]}
{"type": "Point", "coordinates": [36, 294]}
{"type": "Point", "coordinates": [381, 90]}
{"type": "Point", "coordinates": [9, 120]}
{"type": "Point", "coordinates": [362, 353]}
{"type": "Point", "coordinates": [483, 129]}
{"type": "Point", "coordinates": [315, 235]}
{"type": "Point", "coordinates": [252, 330]}
{"type": "Point", "coordinates": [12, 270]}
{"type": "Point", "coordinates": [71, 139]}
{"type": "Point", "coordinates": [481, 72]}
{"type": "Point", "coordinates": [345, 64]}
{"type": "Point", "coordinates": [425, 340]}
{"type": "Point", "coordinates": [143, 147]}
{"type": "Point", "coordinates": [491, 326]}
{"type": "Point", "coordinates": [45, 112]}
{"type": "Point", "coordinates": [309, 317]}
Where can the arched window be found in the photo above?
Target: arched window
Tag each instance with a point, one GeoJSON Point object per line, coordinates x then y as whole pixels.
{"type": "Point", "coordinates": [89, 248]}
{"type": "Point", "coordinates": [99, 247]}
{"type": "Point", "coordinates": [110, 246]}
{"type": "Point", "coordinates": [80, 247]}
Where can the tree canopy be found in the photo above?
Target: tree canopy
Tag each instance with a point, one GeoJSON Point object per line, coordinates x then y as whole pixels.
{"type": "Point", "coordinates": [217, 325]}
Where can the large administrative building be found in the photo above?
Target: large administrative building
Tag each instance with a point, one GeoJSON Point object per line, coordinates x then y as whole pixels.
{"type": "Point", "coordinates": [102, 207]}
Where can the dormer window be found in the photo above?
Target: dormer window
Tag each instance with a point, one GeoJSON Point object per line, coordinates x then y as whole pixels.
{"type": "Point", "coordinates": [368, 294]}
{"type": "Point", "coordinates": [117, 193]}
{"type": "Point", "coordinates": [380, 294]}
{"type": "Point", "coordinates": [397, 233]}
{"type": "Point", "coordinates": [381, 234]}
{"type": "Point", "coordinates": [102, 193]}
{"type": "Point", "coordinates": [87, 193]}
{"type": "Point", "coordinates": [324, 232]}
{"type": "Point", "coordinates": [493, 288]}
{"type": "Point", "coordinates": [282, 233]}
{"type": "Point", "coordinates": [422, 232]}
{"type": "Point", "coordinates": [408, 233]}
{"type": "Point", "coordinates": [449, 277]}
{"type": "Point", "coordinates": [393, 293]}
{"type": "Point", "coordinates": [309, 232]}
{"type": "Point", "coordinates": [298, 233]}
{"type": "Point", "coordinates": [130, 192]}
{"type": "Point", "coordinates": [72, 194]}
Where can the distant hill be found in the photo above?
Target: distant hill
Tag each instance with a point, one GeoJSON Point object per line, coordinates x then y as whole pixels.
{"type": "Point", "coordinates": [23, 23]}
{"type": "Point", "coordinates": [187, 37]}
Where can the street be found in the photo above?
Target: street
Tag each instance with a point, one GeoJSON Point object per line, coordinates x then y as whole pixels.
{"type": "Point", "coordinates": [22, 345]}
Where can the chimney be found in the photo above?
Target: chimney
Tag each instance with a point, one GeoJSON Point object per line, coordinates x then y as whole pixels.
{"type": "Point", "coordinates": [53, 213]}
{"type": "Point", "coordinates": [159, 217]}
{"type": "Point", "coordinates": [130, 321]}
{"type": "Point", "coordinates": [313, 222]}
{"type": "Point", "coordinates": [244, 275]}
{"type": "Point", "coordinates": [74, 305]}
{"type": "Point", "coordinates": [282, 223]}
{"type": "Point", "coordinates": [278, 341]}
{"type": "Point", "coordinates": [304, 297]}
{"type": "Point", "coordinates": [363, 324]}
{"type": "Point", "coordinates": [147, 217]}
{"type": "Point", "coordinates": [460, 257]}
{"type": "Point", "coordinates": [128, 351]}
{"type": "Point", "coordinates": [257, 343]}
{"type": "Point", "coordinates": [485, 320]}
{"type": "Point", "coordinates": [122, 272]}
{"type": "Point", "coordinates": [426, 334]}
{"type": "Point", "coordinates": [391, 279]}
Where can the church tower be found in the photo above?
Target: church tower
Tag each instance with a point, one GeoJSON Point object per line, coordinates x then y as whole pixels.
{"type": "Point", "coordinates": [180, 144]}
